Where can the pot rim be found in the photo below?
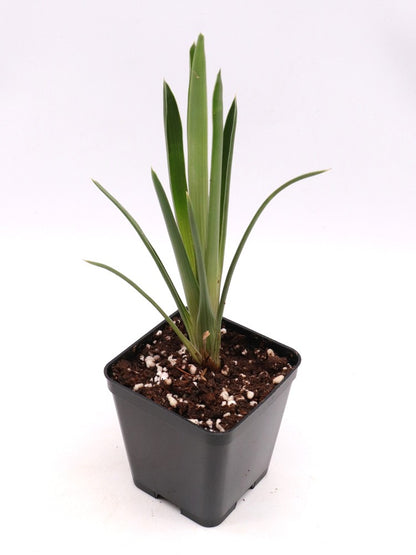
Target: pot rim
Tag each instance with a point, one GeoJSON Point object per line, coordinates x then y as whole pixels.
{"type": "Point", "coordinates": [134, 397]}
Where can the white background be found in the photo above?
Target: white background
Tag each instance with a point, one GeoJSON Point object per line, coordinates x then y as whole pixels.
{"type": "Point", "coordinates": [329, 270]}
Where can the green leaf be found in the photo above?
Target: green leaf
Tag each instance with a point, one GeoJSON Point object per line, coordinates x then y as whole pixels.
{"type": "Point", "coordinates": [247, 233]}
{"type": "Point", "coordinates": [206, 320]}
{"type": "Point", "coordinates": [176, 165]}
{"type": "Point", "coordinates": [214, 213]}
{"type": "Point", "coordinates": [197, 133]}
{"type": "Point", "coordinates": [191, 59]}
{"type": "Point", "coordinates": [227, 157]}
{"type": "Point", "coordinates": [191, 55]}
{"type": "Point", "coordinates": [194, 353]}
{"type": "Point", "coordinates": [181, 307]}
{"type": "Point", "coordinates": [189, 282]}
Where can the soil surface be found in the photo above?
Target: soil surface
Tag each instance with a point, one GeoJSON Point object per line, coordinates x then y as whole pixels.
{"type": "Point", "coordinates": [163, 371]}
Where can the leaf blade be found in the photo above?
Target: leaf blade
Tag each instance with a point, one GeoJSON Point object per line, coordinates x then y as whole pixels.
{"type": "Point", "coordinates": [176, 166]}
{"type": "Point", "coordinates": [189, 281]}
{"type": "Point", "coordinates": [214, 211]}
{"type": "Point", "coordinates": [172, 324]}
{"type": "Point", "coordinates": [205, 318]}
{"type": "Point", "coordinates": [178, 301]}
{"type": "Point", "coordinates": [248, 231]}
{"type": "Point", "coordinates": [227, 157]}
{"type": "Point", "coordinates": [197, 134]}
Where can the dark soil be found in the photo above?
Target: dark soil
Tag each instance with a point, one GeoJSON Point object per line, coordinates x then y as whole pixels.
{"type": "Point", "coordinates": [163, 371]}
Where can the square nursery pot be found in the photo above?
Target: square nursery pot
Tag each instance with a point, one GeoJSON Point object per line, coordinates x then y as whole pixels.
{"type": "Point", "coordinates": [203, 473]}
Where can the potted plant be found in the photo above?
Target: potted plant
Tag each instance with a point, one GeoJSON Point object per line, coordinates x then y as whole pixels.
{"type": "Point", "coordinates": [199, 398]}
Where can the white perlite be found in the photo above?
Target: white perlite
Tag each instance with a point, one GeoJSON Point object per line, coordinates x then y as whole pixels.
{"type": "Point", "coordinates": [150, 362]}
{"type": "Point", "coordinates": [209, 423]}
{"type": "Point", "coordinates": [278, 379]}
{"type": "Point", "coordinates": [172, 360]}
{"type": "Point", "coordinates": [158, 333]}
{"type": "Point", "coordinates": [192, 369]}
{"type": "Point", "coordinates": [250, 394]}
{"type": "Point", "coordinates": [218, 425]}
{"type": "Point", "coordinates": [228, 399]}
{"type": "Point", "coordinates": [195, 421]}
{"type": "Point", "coordinates": [138, 386]}
{"type": "Point", "coordinates": [172, 401]}
{"type": "Point", "coordinates": [225, 370]}
{"type": "Point", "coordinates": [182, 350]}
{"type": "Point", "coordinates": [161, 374]}
{"type": "Point", "coordinates": [270, 353]}
{"type": "Point", "coordinates": [224, 394]}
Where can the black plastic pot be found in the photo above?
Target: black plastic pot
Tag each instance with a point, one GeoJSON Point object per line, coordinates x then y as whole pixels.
{"type": "Point", "coordinates": [203, 473]}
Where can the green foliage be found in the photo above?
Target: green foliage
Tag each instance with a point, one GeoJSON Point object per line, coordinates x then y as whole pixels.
{"type": "Point", "coordinates": [197, 224]}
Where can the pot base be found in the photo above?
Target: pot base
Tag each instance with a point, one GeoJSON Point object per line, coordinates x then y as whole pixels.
{"type": "Point", "coordinates": [195, 518]}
